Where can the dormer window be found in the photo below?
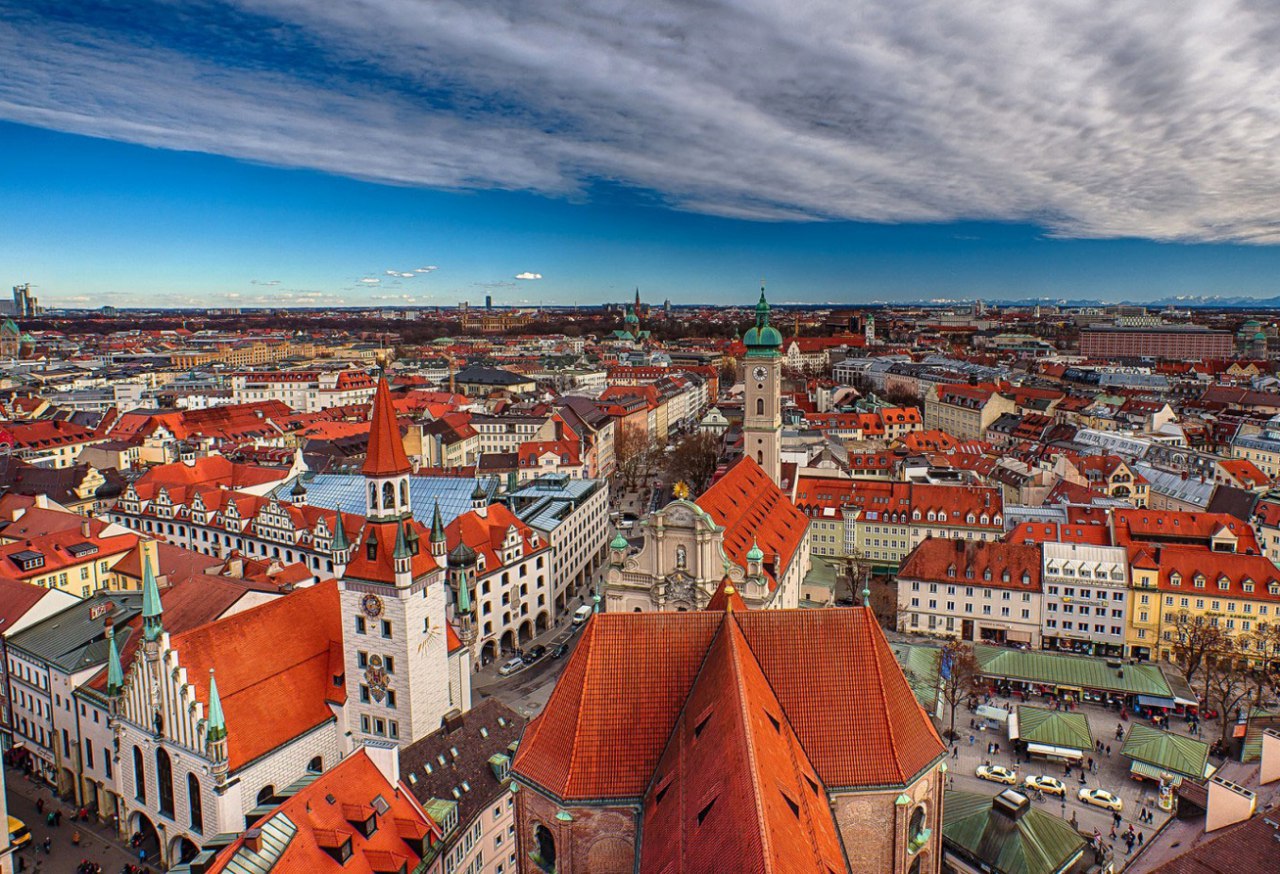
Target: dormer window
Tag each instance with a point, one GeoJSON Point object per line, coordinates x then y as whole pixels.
{"type": "Point", "coordinates": [1175, 579]}
{"type": "Point", "coordinates": [986, 574]}
{"type": "Point", "coordinates": [1026, 578]}
{"type": "Point", "coordinates": [1223, 583]}
{"type": "Point", "coordinates": [951, 570]}
{"type": "Point", "coordinates": [1004, 576]}
{"type": "Point", "coordinates": [1199, 581]}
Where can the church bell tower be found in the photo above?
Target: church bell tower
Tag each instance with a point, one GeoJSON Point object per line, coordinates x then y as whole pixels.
{"type": "Point", "coordinates": [762, 376]}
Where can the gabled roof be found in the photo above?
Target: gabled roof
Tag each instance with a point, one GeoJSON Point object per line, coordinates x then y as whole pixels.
{"type": "Point", "coordinates": [287, 650]}
{"type": "Point", "coordinates": [734, 789]}
{"type": "Point", "coordinates": [296, 835]}
{"type": "Point", "coordinates": [753, 509]}
{"type": "Point", "coordinates": [607, 725]}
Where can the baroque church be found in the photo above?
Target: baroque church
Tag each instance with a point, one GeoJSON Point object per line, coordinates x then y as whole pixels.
{"type": "Point", "coordinates": [743, 527]}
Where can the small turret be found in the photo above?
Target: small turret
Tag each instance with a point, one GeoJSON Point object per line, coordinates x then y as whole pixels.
{"type": "Point", "coordinates": [115, 674]}
{"type": "Point", "coordinates": [402, 554]}
{"type": "Point", "coordinates": [438, 544]}
{"type": "Point", "coordinates": [298, 494]}
{"type": "Point", "coordinates": [152, 611]}
{"type": "Point", "coordinates": [479, 497]}
{"type": "Point", "coordinates": [755, 561]}
{"type": "Point", "coordinates": [216, 732]}
{"type": "Point", "coordinates": [618, 550]}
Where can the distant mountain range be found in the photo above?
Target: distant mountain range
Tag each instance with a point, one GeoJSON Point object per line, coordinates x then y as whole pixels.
{"type": "Point", "coordinates": [1181, 301]}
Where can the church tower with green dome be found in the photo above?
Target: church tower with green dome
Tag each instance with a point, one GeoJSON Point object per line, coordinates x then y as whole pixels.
{"type": "Point", "coordinates": [762, 376]}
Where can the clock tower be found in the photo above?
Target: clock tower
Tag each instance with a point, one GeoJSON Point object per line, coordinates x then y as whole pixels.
{"type": "Point", "coordinates": [762, 375]}
{"type": "Point", "coordinates": [393, 602]}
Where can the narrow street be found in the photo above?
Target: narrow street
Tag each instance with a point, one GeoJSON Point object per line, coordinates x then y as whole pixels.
{"type": "Point", "coordinates": [98, 843]}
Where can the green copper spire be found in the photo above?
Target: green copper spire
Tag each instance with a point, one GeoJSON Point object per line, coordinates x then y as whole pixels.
{"type": "Point", "coordinates": [762, 340]}
{"type": "Point", "coordinates": [464, 594]}
{"type": "Point", "coordinates": [115, 674]}
{"type": "Point", "coordinates": [402, 546]}
{"type": "Point", "coordinates": [340, 541]}
{"type": "Point", "coordinates": [217, 729]}
{"type": "Point", "coordinates": [619, 542]}
{"type": "Point", "coordinates": [755, 554]}
{"type": "Point", "coordinates": [152, 612]}
{"type": "Point", "coordinates": [437, 526]}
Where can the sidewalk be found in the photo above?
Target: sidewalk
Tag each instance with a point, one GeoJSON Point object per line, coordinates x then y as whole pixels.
{"type": "Point", "coordinates": [98, 842]}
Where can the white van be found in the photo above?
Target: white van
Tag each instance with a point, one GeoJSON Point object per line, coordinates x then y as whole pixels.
{"type": "Point", "coordinates": [582, 614]}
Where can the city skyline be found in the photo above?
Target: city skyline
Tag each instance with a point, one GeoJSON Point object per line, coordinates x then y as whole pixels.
{"type": "Point", "coordinates": [294, 155]}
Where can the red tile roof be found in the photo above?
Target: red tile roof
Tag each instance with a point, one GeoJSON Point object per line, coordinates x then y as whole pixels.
{"type": "Point", "coordinates": [321, 812]}
{"type": "Point", "coordinates": [943, 560]}
{"type": "Point", "coordinates": [386, 456]}
{"type": "Point", "coordinates": [753, 509]}
{"type": "Point", "coordinates": [734, 789]}
{"type": "Point", "coordinates": [605, 728]}
{"type": "Point", "coordinates": [281, 651]}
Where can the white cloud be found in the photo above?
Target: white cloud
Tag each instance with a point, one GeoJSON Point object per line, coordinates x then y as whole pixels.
{"type": "Point", "coordinates": [425, 269]}
{"type": "Point", "coordinates": [527, 275]}
{"type": "Point", "coordinates": [371, 280]}
{"type": "Point", "coordinates": [1095, 118]}
{"type": "Point", "coordinates": [264, 281]}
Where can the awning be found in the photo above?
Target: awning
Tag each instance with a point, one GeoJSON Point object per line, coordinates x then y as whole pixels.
{"type": "Point", "coordinates": [1155, 701]}
{"type": "Point", "coordinates": [988, 712]}
{"type": "Point", "coordinates": [1013, 726]}
{"type": "Point", "coordinates": [1057, 752]}
{"type": "Point", "coordinates": [1151, 772]}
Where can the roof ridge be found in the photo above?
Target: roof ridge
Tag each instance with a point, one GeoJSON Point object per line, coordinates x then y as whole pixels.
{"type": "Point", "coordinates": [893, 741]}
{"type": "Point", "coordinates": [735, 656]}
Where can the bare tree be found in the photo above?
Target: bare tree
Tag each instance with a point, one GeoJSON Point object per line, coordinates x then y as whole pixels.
{"type": "Point", "coordinates": [1228, 681]}
{"type": "Point", "coordinates": [1194, 638]}
{"type": "Point", "coordinates": [694, 460]}
{"type": "Point", "coordinates": [637, 454]}
{"type": "Point", "coordinates": [959, 674]}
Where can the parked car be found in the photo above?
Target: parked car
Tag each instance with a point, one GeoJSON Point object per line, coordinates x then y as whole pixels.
{"type": "Point", "coordinates": [19, 834]}
{"type": "Point", "coordinates": [533, 654]}
{"type": "Point", "coordinates": [1047, 785]}
{"type": "Point", "coordinates": [1101, 798]}
{"type": "Point", "coordinates": [510, 666]}
{"type": "Point", "coordinates": [560, 649]}
{"type": "Point", "coordinates": [997, 774]}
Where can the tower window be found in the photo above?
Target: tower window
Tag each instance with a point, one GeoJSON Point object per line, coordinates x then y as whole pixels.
{"type": "Point", "coordinates": [759, 406]}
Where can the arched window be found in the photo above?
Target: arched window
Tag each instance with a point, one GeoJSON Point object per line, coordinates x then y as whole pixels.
{"type": "Point", "coordinates": [759, 406]}
{"type": "Point", "coordinates": [404, 492]}
{"type": "Point", "coordinates": [546, 848]}
{"type": "Point", "coordinates": [373, 496]}
{"type": "Point", "coordinates": [194, 804]}
{"type": "Point", "coordinates": [916, 831]}
{"type": "Point", "coordinates": [266, 793]}
{"type": "Point", "coordinates": [759, 457]}
{"type": "Point", "coordinates": [388, 496]}
{"type": "Point", "coordinates": [316, 765]}
{"type": "Point", "coordinates": [164, 781]}
{"type": "Point", "coordinates": [139, 777]}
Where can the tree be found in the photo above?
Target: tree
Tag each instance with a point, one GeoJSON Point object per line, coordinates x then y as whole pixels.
{"type": "Point", "coordinates": [959, 673]}
{"type": "Point", "coordinates": [1194, 638]}
{"type": "Point", "coordinates": [1228, 681]}
{"type": "Point", "coordinates": [1265, 640]}
{"type": "Point", "coordinates": [694, 460]}
{"type": "Point", "coordinates": [636, 453]}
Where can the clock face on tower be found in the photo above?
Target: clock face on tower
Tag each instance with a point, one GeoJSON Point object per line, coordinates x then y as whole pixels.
{"type": "Point", "coordinates": [760, 373]}
{"type": "Point", "coordinates": [371, 605]}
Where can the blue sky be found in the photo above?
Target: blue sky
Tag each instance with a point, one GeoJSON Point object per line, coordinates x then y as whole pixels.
{"type": "Point", "coordinates": [292, 154]}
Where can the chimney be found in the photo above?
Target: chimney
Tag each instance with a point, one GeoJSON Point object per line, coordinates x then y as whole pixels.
{"type": "Point", "coordinates": [1270, 771]}
{"type": "Point", "coordinates": [84, 527]}
{"type": "Point", "coordinates": [253, 840]}
{"type": "Point", "coordinates": [1229, 803]}
{"type": "Point", "coordinates": [386, 757]}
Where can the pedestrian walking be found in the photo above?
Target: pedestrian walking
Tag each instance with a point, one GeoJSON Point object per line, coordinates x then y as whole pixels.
{"type": "Point", "coordinates": [955, 751]}
{"type": "Point", "coordinates": [971, 740]}
{"type": "Point", "coordinates": [47, 844]}
{"type": "Point", "coordinates": [40, 806]}
{"type": "Point", "coordinates": [1139, 838]}
{"type": "Point", "coordinates": [1108, 751]}
{"type": "Point", "coordinates": [1091, 763]}
{"type": "Point", "coordinates": [57, 817]}
{"type": "Point", "coordinates": [75, 838]}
